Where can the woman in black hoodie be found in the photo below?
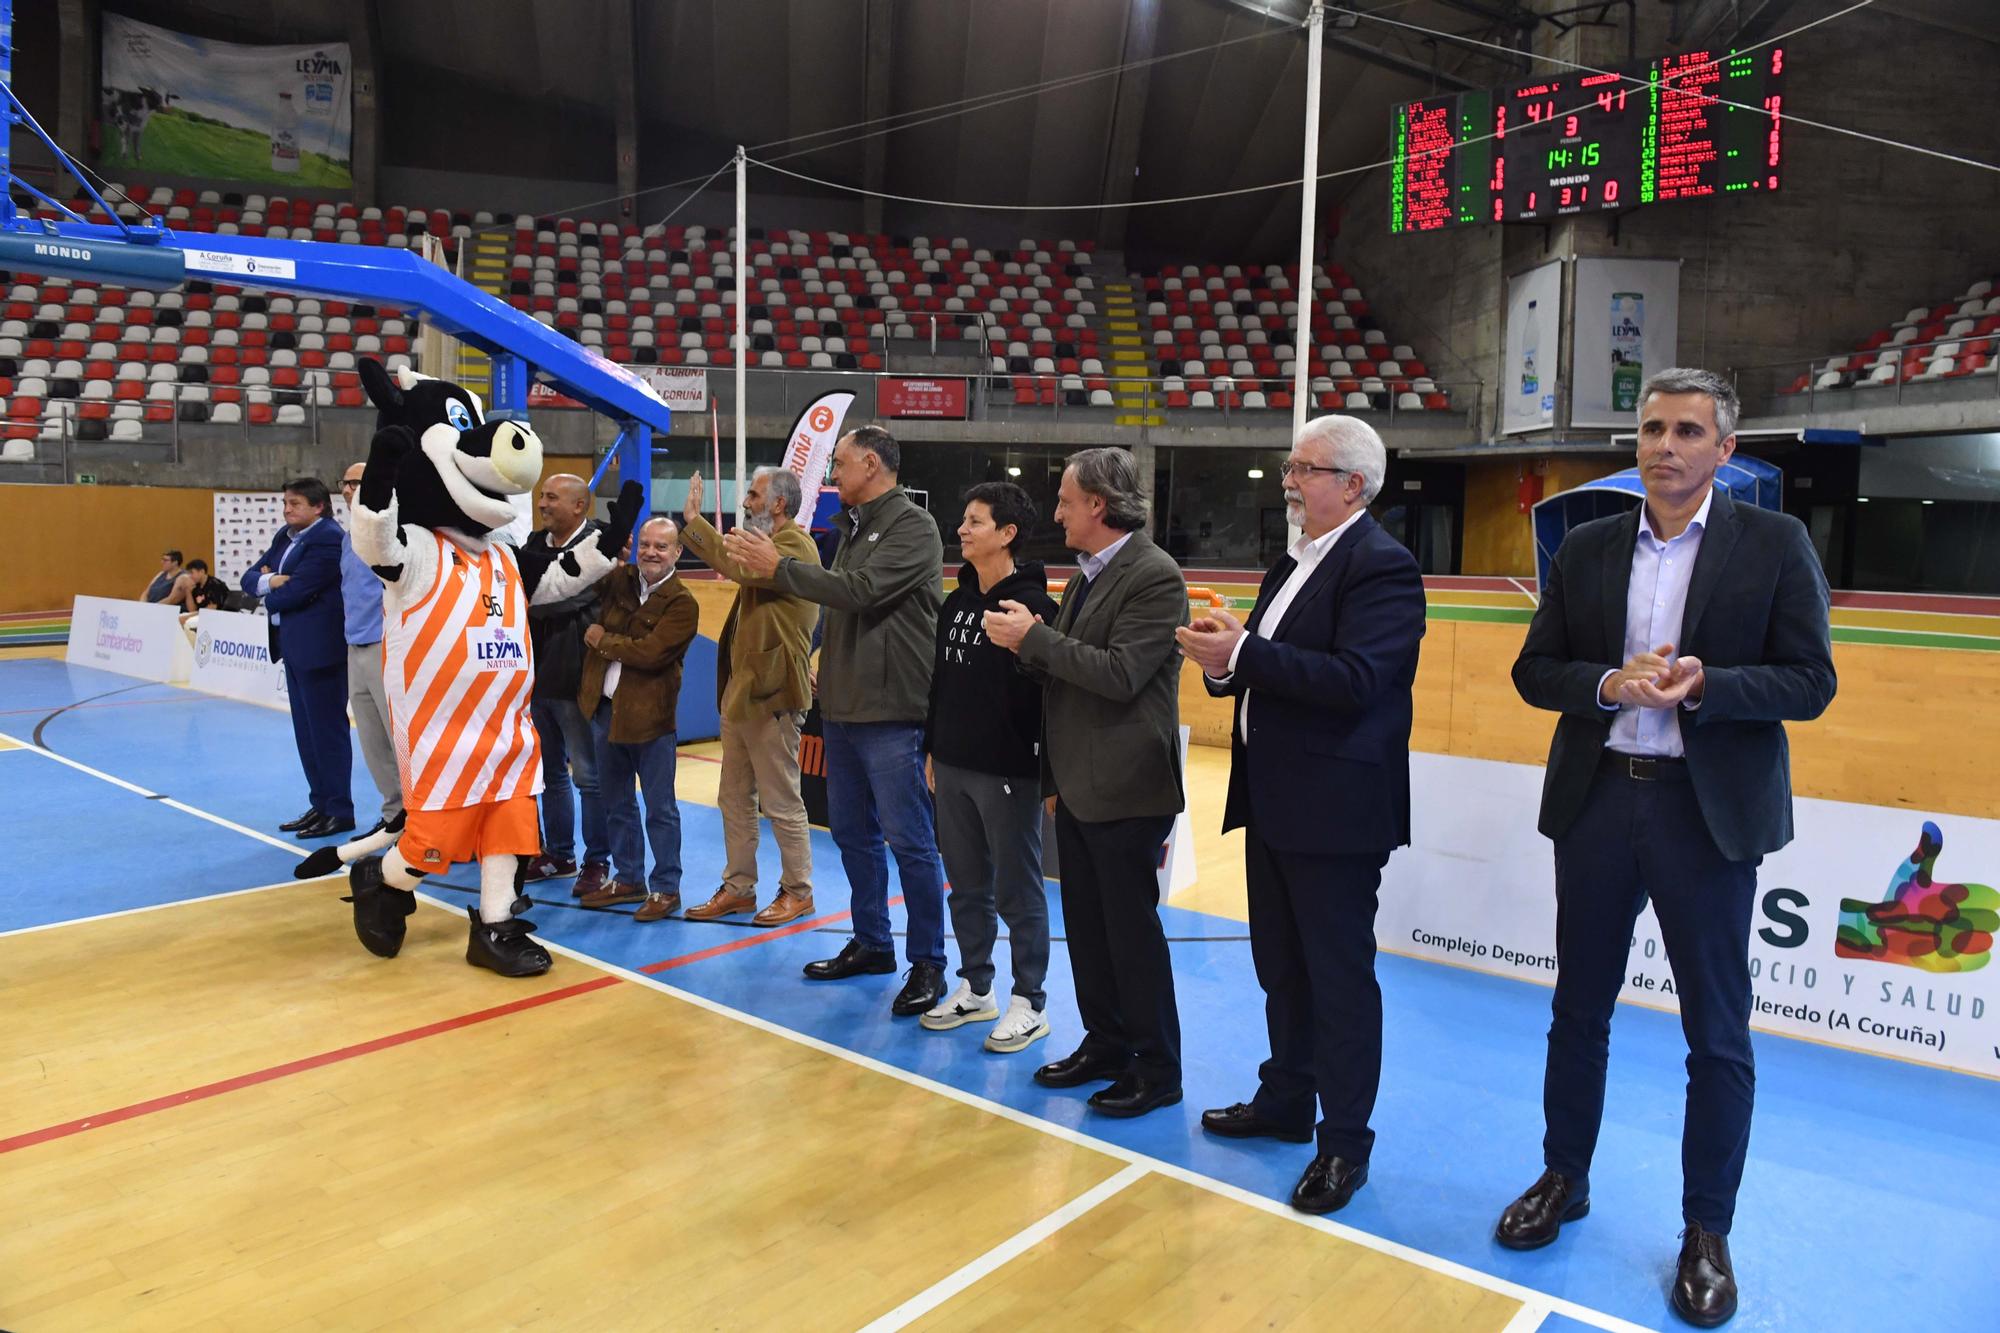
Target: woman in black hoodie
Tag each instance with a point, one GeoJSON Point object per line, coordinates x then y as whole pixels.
{"type": "Point", "coordinates": [983, 735]}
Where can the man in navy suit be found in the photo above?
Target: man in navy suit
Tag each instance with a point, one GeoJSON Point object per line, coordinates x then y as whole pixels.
{"type": "Point", "coordinates": [1319, 780]}
{"type": "Point", "coordinates": [299, 581]}
{"type": "Point", "coordinates": [1675, 641]}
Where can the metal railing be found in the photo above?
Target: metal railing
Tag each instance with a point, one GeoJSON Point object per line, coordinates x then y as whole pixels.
{"type": "Point", "coordinates": [63, 426]}
{"type": "Point", "coordinates": [1766, 389]}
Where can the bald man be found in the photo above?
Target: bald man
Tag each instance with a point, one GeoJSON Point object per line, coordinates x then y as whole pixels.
{"type": "Point", "coordinates": [568, 749]}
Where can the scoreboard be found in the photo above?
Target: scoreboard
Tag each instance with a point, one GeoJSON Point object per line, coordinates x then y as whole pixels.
{"type": "Point", "coordinates": [1677, 127]}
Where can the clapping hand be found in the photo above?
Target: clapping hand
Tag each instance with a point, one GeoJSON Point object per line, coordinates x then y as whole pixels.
{"type": "Point", "coordinates": [1210, 640]}
{"type": "Point", "coordinates": [1009, 625]}
{"type": "Point", "coordinates": [755, 551]}
{"type": "Point", "coordinates": [692, 510]}
{"type": "Point", "coordinates": [1655, 680]}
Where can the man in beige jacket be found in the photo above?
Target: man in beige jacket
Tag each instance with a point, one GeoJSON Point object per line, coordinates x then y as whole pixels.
{"type": "Point", "coordinates": [763, 691]}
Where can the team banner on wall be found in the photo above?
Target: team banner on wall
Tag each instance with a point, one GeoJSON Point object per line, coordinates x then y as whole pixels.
{"type": "Point", "coordinates": [921, 398]}
{"type": "Point", "coordinates": [232, 657]}
{"type": "Point", "coordinates": [683, 388]}
{"type": "Point", "coordinates": [186, 106]}
{"type": "Point", "coordinates": [1627, 326]}
{"type": "Point", "coordinates": [1873, 930]}
{"type": "Point", "coordinates": [1534, 326]}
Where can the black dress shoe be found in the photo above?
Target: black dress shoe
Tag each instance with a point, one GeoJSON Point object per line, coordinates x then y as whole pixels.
{"type": "Point", "coordinates": [923, 990]}
{"type": "Point", "coordinates": [1705, 1284]}
{"type": "Point", "coordinates": [1537, 1217]}
{"type": "Point", "coordinates": [1134, 1094]}
{"type": "Point", "coordinates": [1328, 1184]}
{"type": "Point", "coordinates": [853, 960]}
{"type": "Point", "coordinates": [1241, 1121]}
{"type": "Point", "coordinates": [324, 827]}
{"type": "Point", "coordinates": [1081, 1067]}
{"type": "Point", "coordinates": [294, 825]}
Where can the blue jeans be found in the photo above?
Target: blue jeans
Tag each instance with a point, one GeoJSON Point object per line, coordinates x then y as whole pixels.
{"type": "Point", "coordinates": [651, 766]}
{"type": "Point", "coordinates": [568, 747]}
{"type": "Point", "coordinates": [875, 790]}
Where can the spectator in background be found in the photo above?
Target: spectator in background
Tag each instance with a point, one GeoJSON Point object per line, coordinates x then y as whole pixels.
{"type": "Point", "coordinates": [568, 751]}
{"type": "Point", "coordinates": [367, 697]}
{"type": "Point", "coordinates": [299, 580]}
{"type": "Point", "coordinates": [197, 590]}
{"type": "Point", "coordinates": [163, 582]}
{"type": "Point", "coordinates": [631, 686]}
{"type": "Point", "coordinates": [984, 737]}
{"type": "Point", "coordinates": [763, 689]}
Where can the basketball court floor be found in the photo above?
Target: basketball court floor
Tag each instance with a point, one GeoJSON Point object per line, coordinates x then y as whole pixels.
{"type": "Point", "coordinates": [218, 1111]}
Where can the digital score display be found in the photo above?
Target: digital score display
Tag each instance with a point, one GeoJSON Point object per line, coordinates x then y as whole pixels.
{"type": "Point", "coordinates": [1678, 127]}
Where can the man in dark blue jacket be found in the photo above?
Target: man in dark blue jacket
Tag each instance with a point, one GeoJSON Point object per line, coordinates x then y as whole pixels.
{"type": "Point", "coordinates": [1675, 641]}
{"type": "Point", "coordinates": [1319, 780]}
{"type": "Point", "coordinates": [299, 582]}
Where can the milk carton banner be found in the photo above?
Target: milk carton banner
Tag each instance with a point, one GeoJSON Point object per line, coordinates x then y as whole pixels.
{"type": "Point", "coordinates": [1627, 327]}
{"type": "Point", "coordinates": [1873, 930]}
{"type": "Point", "coordinates": [142, 639]}
{"type": "Point", "coordinates": [232, 657]}
{"type": "Point", "coordinates": [1534, 323]}
{"type": "Point", "coordinates": [187, 106]}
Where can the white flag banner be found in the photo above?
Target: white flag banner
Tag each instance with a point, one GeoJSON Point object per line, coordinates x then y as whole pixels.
{"type": "Point", "coordinates": [809, 451]}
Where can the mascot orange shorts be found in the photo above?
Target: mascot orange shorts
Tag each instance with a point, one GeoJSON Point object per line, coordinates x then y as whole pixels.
{"type": "Point", "coordinates": [434, 840]}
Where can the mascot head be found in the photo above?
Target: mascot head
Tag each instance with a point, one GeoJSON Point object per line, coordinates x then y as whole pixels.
{"type": "Point", "coordinates": [473, 464]}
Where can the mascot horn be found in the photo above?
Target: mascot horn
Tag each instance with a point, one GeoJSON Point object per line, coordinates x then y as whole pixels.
{"type": "Point", "coordinates": [456, 659]}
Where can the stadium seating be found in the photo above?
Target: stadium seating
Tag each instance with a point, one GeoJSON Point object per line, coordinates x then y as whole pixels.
{"type": "Point", "coordinates": [1949, 340]}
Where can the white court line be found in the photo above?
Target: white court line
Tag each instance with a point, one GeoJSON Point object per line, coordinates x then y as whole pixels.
{"type": "Point", "coordinates": [1526, 591]}
{"type": "Point", "coordinates": [1006, 1251]}
{"type": "Point", "coordinates": [1527, 1319]}
{"type": "Point", "coordinates": [1367, 1240]}
{"type": "Point", "coordinates": [153, 907]}
{"type": "Point", "coordinates": [135, 788]}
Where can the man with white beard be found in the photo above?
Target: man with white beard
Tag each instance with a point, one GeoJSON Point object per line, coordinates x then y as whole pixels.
{"type": "Point", "coordinates": [762, 693]}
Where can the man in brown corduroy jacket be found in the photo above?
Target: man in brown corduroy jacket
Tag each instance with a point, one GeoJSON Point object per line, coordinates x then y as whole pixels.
{"type": "Point", "coordinates": [631, 686]}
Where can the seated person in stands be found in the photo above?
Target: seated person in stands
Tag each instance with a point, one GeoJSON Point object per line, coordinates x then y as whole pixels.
{"type": "Point", "coordinates": [163, 582]}
{"type": "Point", "coordinates": [197, 590]}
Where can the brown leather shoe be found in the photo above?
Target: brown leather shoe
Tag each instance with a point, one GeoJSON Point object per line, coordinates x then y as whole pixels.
{"type": "Point", "coordinates": [594, 876]}
{"type": "Point", "coordinates": [726, 902]}
{"type": "Point", "coordinates": [787, 906]}
{"type": "Point", "coordinates": [617, 891]}
{"type": "Point", "coordinates": [658, 906]}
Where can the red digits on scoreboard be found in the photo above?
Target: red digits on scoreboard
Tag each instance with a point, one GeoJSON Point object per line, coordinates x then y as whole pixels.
{"type": "Point", "coordinates": [1611, 191]}
{"type": "Point", "coordinates": [1777, 60]}
{"type": "Point", "coordinates": [1569, 127]}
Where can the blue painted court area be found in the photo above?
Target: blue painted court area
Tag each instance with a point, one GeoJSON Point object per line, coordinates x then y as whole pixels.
{"type": "Point", "coordinates": [1866, 1204]}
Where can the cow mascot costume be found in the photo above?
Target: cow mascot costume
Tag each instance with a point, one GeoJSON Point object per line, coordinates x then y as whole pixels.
{"type": "Point", "coordinates": [457, 662]}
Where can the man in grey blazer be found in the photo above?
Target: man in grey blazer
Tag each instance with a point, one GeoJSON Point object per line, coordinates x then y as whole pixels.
{"type": "Point", "coordinates": [1111, 759]}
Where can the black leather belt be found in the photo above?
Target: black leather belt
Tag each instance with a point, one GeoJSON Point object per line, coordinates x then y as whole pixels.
{"type": "Point", "coordinates": [1645, 768]}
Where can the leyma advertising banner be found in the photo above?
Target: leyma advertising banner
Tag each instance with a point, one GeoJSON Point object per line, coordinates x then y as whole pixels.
{"type": "Point", "coordinates": [183, 106]}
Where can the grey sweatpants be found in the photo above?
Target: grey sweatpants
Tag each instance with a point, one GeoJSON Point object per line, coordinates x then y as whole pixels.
{"type": "Point", "coordinates": [368, 700]}
{"type": "Point", "coordinates": [989, 831]}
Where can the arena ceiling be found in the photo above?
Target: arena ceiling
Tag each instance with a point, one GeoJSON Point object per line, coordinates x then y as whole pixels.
{"type": "Point", "coordinates": [531, 87]}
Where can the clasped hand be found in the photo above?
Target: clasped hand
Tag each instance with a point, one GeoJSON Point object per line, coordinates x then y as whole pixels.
{"type": "Point", "coordinates": [1210, 641]}
{"type": "Point", "coordinates": [1654, 680]}
{"type": "Point", "coordinates": [1009, 625]}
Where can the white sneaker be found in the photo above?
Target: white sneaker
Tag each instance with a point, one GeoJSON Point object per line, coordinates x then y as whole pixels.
{"type": "Point", "coordinates": [962, 1006]}
{"type": "Point", "coordinates": [1021, 1028]}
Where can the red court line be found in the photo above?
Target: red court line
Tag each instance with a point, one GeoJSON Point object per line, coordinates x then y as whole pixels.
{"type": "Point", "coordinates": [33, 615]}
{"type": "Point", "coordinates": [395, 1039]}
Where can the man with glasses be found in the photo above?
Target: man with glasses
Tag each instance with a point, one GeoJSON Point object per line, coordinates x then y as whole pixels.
{"type": "Point", "coordinates": [163, 582]}
{"type": "Point", "coordinates": [1319, 780]}
{"type": "Point", "coordinates": [361, 599]}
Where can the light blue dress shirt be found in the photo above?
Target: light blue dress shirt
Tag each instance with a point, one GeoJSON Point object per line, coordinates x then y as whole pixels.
{"type": "Point", "coordinates": [360, 596]}
{"type": "Point", "coordinates": [1093, 565]}
{"type": "Point", "coordinates": [1655, 606]}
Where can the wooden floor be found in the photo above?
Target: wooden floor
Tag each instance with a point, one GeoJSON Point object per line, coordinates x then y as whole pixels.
{"type": "Point", "coordinates": [231, 1118]}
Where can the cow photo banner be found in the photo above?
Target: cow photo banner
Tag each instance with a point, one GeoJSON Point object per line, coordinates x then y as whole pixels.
{"type": "Point", "coordinates": [177, 105]}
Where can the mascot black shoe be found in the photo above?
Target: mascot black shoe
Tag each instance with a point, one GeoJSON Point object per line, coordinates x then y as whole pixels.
{"type": "Point", "coordinates": [458, 666]}
{"type": "Point", "coordinates": [507, 948]}
{"type": "Point", "coordinates": [379, 910]}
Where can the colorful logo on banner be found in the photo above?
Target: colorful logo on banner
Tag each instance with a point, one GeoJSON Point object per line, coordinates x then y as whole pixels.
{"type": "Point", "coordinates": [1922, 923]}
{"type": "Point", "coordinates": [809, 450]}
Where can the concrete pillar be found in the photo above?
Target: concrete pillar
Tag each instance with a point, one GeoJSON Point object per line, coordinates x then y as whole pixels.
{"type": "Point", "coordinates": [76, 82]}
{"type": "Point", "coordinates": [625, 102]}
{"type": "Point", "coordinates": [877, 55]}
{"type": "Point", "coordinates": [364, 40]}
{"type": "Point", "coordinates": [1128, 115]}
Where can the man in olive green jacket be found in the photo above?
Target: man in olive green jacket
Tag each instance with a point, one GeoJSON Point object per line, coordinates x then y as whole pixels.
{"type": "Point", "coordinates": [762, 691]}
{"type": "Point", "coordinates": [881, 598]}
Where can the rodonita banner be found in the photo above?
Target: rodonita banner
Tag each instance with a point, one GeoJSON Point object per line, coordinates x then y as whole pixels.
{"type": "Point", "coordinates": [185, 106]}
